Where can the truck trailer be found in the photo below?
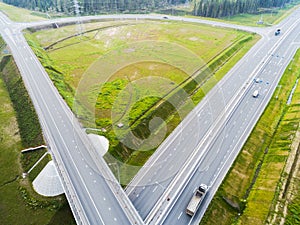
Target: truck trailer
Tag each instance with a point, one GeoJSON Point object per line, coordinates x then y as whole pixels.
{"type": "Point", "coordinates": [196, 199]}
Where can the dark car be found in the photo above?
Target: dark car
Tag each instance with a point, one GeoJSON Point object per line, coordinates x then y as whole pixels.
{"type": "Point", "coordinates": [277, 32]}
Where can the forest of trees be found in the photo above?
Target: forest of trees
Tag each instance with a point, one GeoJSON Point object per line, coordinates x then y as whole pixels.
{"type": "Point", "coordinates": [206, 8]}
{"type": "Point", "coordinates": [92, 6]}
{"type": "Point", "coordinates": [222, 8]}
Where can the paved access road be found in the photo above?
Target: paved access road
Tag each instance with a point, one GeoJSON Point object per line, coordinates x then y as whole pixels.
{"type": "Point", "coordinates": [91, 189]}
{"type": "Point", "coordinates": [208, 140]}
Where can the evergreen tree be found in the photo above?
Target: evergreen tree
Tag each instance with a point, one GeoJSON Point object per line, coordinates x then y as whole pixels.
{"type": "Point", "coordinates": [221, 8]}
{"type": "Point", "coordinates": [206, 8]}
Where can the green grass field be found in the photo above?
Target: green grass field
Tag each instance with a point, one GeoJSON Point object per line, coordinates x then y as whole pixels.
{"type": "Point", "coordinates": [131, 71]}
{"type": "Point", "coordinates": [254, 180]}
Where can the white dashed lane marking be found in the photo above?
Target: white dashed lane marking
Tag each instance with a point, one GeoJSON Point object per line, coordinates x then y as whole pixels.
{"type": "Point", "coordinates": [179, 216]}
{"type": "Point", "coordinates": [155, 189]}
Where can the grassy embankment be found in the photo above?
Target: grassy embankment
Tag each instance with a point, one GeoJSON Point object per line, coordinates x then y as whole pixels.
{"type": "Point", "coordinates": [28, 123]}
{"type": "Point", "coordinates": [216, 50]}
{"type": "Point", "coordinates": [293, 214]}
{"type": "Point", "coordinates": [19, 128]}
{"type": "Point", "coordinates": [20, 14]}
{"type": "Point", "coordinates": [247, 194]}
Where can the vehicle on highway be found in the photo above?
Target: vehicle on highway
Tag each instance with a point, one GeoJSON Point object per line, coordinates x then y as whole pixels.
{"type": "Point", "coordinates": [255, 94]}
{"type": "Point", "coordinates": [277, 32]}
{"type": "Point", "coordinates": [196, 200]}
{"type": "Point", "coordinates": [257, 80]}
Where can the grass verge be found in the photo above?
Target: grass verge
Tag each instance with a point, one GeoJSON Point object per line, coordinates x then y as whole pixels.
{"type": "Point", "coordinates": [30, 130]}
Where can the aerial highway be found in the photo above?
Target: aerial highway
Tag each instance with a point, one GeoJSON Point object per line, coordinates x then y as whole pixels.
{"type": "Point", "coordinates": [200, 150]}
{"type": "Point", "coordinates": [83, 172]}
{"type": "Point", "coordinates": [224, 149]}
{"type": "Point", "coordinates": [203, 147]}
{"type": "Point", "coordinates": [90, 187]}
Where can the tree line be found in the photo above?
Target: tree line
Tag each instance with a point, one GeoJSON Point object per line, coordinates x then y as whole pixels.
{"type": "Point", "coordinates": [222, 8]}
{"type": "Point", "coordinates": [92, 6]}
{"type": "Point", "coordinates": [206, 8]}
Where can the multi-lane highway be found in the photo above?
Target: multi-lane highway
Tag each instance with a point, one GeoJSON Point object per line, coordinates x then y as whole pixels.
{"type": "Point", "coordinates": [208, 140]}
{"type": "Point", "coordinates": [223, 150]}
{"type": "Point", "coordinates": [200, 150]}
{"type": "Point", "coordinates": [90, 187]}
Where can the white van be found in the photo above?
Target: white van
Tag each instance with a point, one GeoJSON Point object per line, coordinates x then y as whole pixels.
{"type": "Point", "coordinates": [255, 94]}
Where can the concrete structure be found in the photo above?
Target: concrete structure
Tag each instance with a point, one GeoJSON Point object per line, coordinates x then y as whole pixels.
{"type": "Point", "coordinates": [48, 182]}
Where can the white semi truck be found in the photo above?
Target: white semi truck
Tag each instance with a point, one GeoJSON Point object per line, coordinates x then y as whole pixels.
{"type": "Point", "coordinates": [196, 199]}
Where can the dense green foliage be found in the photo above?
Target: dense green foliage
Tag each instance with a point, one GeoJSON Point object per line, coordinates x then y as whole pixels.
{"type": "Point", "coordinates": [221, 8]}
{"type": "Point", "coordinates": [293, 217]}
{"type": "Point", "coordinates": [206, 8]}
{"type": "Point", "coordinates": [92, 6]}
{"type": "Point", "coordinates": [28, 122]}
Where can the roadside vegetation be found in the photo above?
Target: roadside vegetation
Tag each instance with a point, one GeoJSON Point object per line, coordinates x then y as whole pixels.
{"type": "Point", "coordinates": [294, 206]}
{"type": "Point", "coordinates": [264, 18]}
{"type": "Point", "coordinates": [130, 91]}
{"type": "Point", "coordinates": [270, 17]}
{"type": "Point", "coordinates": [250, 191]}
{"type": "Point", "coordinates": [266, 15]}
{"type": "Point", "coordinates": [19, 204]}
{"type": "Point", "coordinates": [28, 122]}
{"type": "Point", "coordinates": [206, 8]}
{"type": "Point", "coordinates": [219, 9]}
{"type": "Point", "coordinates": [20, 14]}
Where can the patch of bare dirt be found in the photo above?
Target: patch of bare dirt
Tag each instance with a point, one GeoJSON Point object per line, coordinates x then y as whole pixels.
{"type": "Point", "coordinates": [12, 130]}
